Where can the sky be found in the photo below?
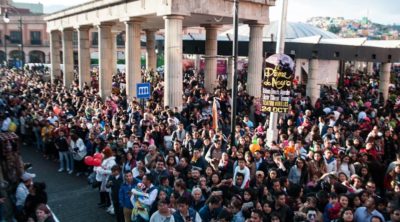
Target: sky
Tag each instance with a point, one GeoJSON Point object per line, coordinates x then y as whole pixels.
{"type": "Point", "coordinates": [379, 11]}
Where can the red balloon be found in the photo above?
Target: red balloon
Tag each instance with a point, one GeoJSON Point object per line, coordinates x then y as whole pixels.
{"type": "Point", "coordinates": [98, 156]}
{"type": "Point", "coordinates": [96, 162]}
{"type": "Point", "coordinates": [88, 160]}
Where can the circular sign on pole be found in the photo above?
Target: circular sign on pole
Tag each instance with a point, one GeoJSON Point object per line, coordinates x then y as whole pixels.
{"type": "Point", "coordinates": [277, 83]}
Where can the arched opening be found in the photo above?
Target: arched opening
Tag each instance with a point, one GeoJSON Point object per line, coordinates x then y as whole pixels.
{"type": "Point", "coordinates": [15, 58]}
{"type": "Point", "coordinates": [37, 57]}
{"type": "Point", "coordinates": [2, 57]}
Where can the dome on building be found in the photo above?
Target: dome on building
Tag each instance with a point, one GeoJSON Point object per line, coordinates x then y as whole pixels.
{"type": "Point", "coordinates": [294, 30]}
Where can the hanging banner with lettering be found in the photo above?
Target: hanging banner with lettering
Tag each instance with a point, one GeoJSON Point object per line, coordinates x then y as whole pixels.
{"type": "Point", "coordinates": [277, 83]}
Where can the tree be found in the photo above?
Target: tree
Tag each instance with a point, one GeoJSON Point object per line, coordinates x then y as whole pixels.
{"type": "Point", "coordinates": [334, 29]}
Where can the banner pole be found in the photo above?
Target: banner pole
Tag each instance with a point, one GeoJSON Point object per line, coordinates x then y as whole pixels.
{"type": "Point", "coordinates": [272, 132]}
{"type": "Point", "coordinates": [234, 73]}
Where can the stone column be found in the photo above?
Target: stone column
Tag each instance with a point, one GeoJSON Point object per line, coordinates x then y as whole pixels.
{"type": "Point", "coordinates": [55, 55]}
{"type": "Point", "coordinates": [254, 76]}
{"type": "Point", "coordinates": [173, 86]}
{"type": "Point", "coordinates": [68, 57]}
{"type": "Point", "coordinates": [132, 57]}
{"type": "Point", "coordinates": [384, 80]}
{"type": "Point", "coordinates": [114, 50]}
{"type": "Point", "coordinates": [229, 72]}
{"type": "Point", "coordinates": [151, 57]}
{"type": "Point", "coordinates": [370, 68]}
{"type": "Point", "coordinates": [313, 89]}
{"type": "Point", "coordinates": [211, 51]}
{"type": "Point", "coordinates": [84, 56]}
{"type": "Point", "coordinates": [105, 56]}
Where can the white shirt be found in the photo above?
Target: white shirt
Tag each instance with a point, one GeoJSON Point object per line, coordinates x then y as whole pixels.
{"type": "Point", "coordinates": [21, 194]}
{"type": "Point", "coordinates": [331, 167]}
{"type": "Point", "coordinates": [157, 217]}
{"type": "Point", "coordinates": [152, 197]}
{"type": "Point", "coordinates": [246, 178]}
{"type": "Point", "coordinates": [135, 172]}
{"type": "Point", "coordinates": [52, 119]}
{"type": "Point", "coordinates": [6, 124]}
{"type": "Point", "coordinates": [347, 169]}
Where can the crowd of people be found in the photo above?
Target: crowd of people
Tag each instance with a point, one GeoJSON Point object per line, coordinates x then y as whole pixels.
{"type": "Point", "coordinates": [335, 160]}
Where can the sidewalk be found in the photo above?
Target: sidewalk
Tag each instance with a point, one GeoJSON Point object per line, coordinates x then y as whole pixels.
{"type": "Point", "coordinates": [70, 197]}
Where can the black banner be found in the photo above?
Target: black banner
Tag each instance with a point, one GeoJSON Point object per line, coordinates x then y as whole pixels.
{"type": "Point", "coordinates": [277, 83]}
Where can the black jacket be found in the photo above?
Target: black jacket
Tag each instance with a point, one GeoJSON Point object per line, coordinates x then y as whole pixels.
{"type": "Point", "coordinates": [115, 185]}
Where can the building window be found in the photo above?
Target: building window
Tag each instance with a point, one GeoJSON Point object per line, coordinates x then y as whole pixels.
{"type": "Point", "coordinates": [95, 38]}
{"type": "Point", "coordinates": [15, 37]}
{"type": "Point", "coordinates": [121, 39]}
{"type": "Point", "coordinates": [75, 38]}
{"type": "Point", "coordinates": [36, 38]}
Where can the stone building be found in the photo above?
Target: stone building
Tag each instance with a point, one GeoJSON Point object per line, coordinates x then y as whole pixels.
{"type": "Point", "coordinates": [35, 39]}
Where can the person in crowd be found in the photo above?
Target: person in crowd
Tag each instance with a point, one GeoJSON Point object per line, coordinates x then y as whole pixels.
{"type": "Point", "coordinates": [163, 213]}
{"type": "Point", "coordinates": [102, 173]}
{"type": "Point", "coordinates": [114, 183]}
{"type": "Point", "coordinates": [298, 173]}
{"type": "Point", "coordinates": [144, 199]}
{"type": "Point", "coordinates": [340, 145]}
{"type": "Point", "coordinates": [198, 199]}
{"type": "Point", "coordinates": [159, 171]}
{"type": "Point", "coordinates": [37, 195]}
{"type": "Point", "coordinates": [22, 192]}
{"type": "Point", "coordinates": [281, 208]}
{"type": "Point", "coordinates": [244, 170]}
{"type": "Point", "coordinates": [367, 212]}
{"type": "Point", "coordinates": [43, 214]}
{"type": "Point", "coordinates": [211, 209]}
{"type": "Point", "coordinates": [61, 144]}
{"type": "Point", "coordinates": [78, 151]}
{"type": "Point", "coordinates": [186, 213]}
{"type": "Point", "coordinates": [347, 215]}
{"type": "Point", "coordinates": [125, 193]}
{"type": "Point", "coordinates": [395, 215]}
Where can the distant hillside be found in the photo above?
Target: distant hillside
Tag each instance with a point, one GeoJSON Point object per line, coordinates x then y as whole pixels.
{"type": "Point", "coordinates": [351, 28]}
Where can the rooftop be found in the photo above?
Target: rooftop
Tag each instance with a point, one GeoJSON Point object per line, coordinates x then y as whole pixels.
{"type": "Point", "coordinates": [294, 30]}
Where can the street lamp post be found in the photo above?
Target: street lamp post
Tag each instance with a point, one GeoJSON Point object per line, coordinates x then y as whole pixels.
{"type": "Point", "coordinates": [6, 19]}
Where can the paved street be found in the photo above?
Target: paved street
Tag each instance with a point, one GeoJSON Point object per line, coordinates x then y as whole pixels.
{"type": "Point", "coordinates": [70, 197]}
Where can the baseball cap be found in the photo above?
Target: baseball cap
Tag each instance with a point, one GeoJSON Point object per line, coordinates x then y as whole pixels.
{"type": "Point", "coordinates": [27, 176]}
